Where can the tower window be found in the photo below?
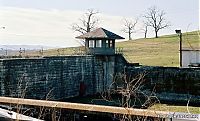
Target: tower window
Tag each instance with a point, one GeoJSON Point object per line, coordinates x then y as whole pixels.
{"type": "Point", "coordinates": [111, 44]}
{"type": "Point", "coordinates": [107, 43]}
{"type": "Point", "coordinates": [91, 43]}
{"type": "Point", "coordinates": [98, 43]}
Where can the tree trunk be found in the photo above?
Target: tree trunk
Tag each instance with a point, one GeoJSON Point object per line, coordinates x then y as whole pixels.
{"type": "Point", "coordinates": [145, 33]}
{"type": "Point", "coordinates": [129, 35]}
{"type": "Point", "coordinates": [156, 32]}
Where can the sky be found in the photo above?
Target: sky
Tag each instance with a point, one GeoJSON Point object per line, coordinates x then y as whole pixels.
{"type": "Point", "coordinates": [48, 22]}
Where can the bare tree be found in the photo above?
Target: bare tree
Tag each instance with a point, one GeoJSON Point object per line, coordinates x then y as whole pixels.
{"type": "Point", "coordinates": [145, 29]}
{"type": "Point", "coordinates": [156, 18]}
{"type": "Point", "coordinates": [131, 94]}
{"type": "Point", "coordinates": [129, 27]}
{"type": "Point", "coordinates": [88, 22]}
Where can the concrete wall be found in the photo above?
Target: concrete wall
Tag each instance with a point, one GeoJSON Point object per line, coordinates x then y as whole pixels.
{"type": "Point", "coordinates": [169, 83]}
{"type": "Point", "coordinates": [190, 56]}
{"type": "Point", "coordinates": [55, 77]}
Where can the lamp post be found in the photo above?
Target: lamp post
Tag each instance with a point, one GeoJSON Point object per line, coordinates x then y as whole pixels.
{"type": "Point", "coordinates": [180, 35]}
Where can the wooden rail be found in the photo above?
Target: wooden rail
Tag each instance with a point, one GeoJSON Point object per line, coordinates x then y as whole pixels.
{"type": "Point", "coordinates": [84, 107]}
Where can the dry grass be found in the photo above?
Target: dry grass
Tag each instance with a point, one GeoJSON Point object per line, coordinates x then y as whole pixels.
{"type": "Point", "coordinates": [171, 108]}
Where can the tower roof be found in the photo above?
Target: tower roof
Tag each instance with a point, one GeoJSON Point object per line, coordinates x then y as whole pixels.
{"type": "Point", "coordinates": [100, 33]}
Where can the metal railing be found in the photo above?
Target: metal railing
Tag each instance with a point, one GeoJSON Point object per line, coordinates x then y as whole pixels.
{"type": "Point", "coordinates": [170, 116]}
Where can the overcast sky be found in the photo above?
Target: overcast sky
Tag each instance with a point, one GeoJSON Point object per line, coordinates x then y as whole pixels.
{"type": "Point", "coordinates": [47, 22]}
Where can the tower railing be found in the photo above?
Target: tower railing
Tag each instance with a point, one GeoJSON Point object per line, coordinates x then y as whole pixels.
{"type": "Point", "coordinates": [119, 50]}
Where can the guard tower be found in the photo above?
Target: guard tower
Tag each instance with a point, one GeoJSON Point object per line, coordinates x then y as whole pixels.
{"type": "Point", "coordinates": [100, 42]}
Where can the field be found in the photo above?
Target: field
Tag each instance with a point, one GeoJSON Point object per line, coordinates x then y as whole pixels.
{"type": "Point", "coordinates": [162, 51]}
{"type": "Point", "coordinates": [173, 108]}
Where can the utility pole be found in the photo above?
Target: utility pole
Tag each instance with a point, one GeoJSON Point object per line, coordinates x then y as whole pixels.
{"type": "Point", "coordinates": [6, 52]}
{"type": "Point", "coordinates": [20, 52]}
{"type": "Point", "coordinates": [24, 52]}
{"type": "Point", "coordinates": [181, 50]}
{"type": "Point", "coordinates": [42, 51]}
{"type": "Point", "coordinates": [180, 45]}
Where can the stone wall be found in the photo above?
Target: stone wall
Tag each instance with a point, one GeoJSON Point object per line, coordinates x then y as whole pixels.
{"type": "Point", "coordinates": [55, 77]}
{"type": "Point", "coordinates": [166, 79]}
{"type": "Point", "coordinates": [67, 76]}
{"type": "Point", "coordinates": [170, 83]}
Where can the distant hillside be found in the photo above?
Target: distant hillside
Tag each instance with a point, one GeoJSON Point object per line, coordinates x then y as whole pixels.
{"type": "Point", "coordinates": [12, 50]}
{"type": "Point", "coordinates": [27, 47]}
{"type": "Point", "coordinates": [162, 51]}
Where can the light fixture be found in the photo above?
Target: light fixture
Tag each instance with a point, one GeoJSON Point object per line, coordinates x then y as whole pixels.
{"type": "Point", "coordinates": [178, 31]}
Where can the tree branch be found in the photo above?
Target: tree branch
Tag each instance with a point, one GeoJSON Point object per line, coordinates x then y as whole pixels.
{"type": "Point", "coordinates": [88, 22]}
{"type": "Point", "coordinates": [156, 19]}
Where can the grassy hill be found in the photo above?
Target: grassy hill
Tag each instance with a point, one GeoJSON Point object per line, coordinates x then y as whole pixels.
{"type": "Point", "coordinates": [162, 51]}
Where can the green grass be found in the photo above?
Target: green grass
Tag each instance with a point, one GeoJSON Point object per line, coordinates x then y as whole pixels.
{"type": "Point", "coordinates": [162, 51]}
{"type": "Point", "coordinates": [172, 108]}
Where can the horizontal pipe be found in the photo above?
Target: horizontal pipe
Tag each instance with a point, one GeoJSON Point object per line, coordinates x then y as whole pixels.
{"type": "Point", "coordinates": [84, 107]}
